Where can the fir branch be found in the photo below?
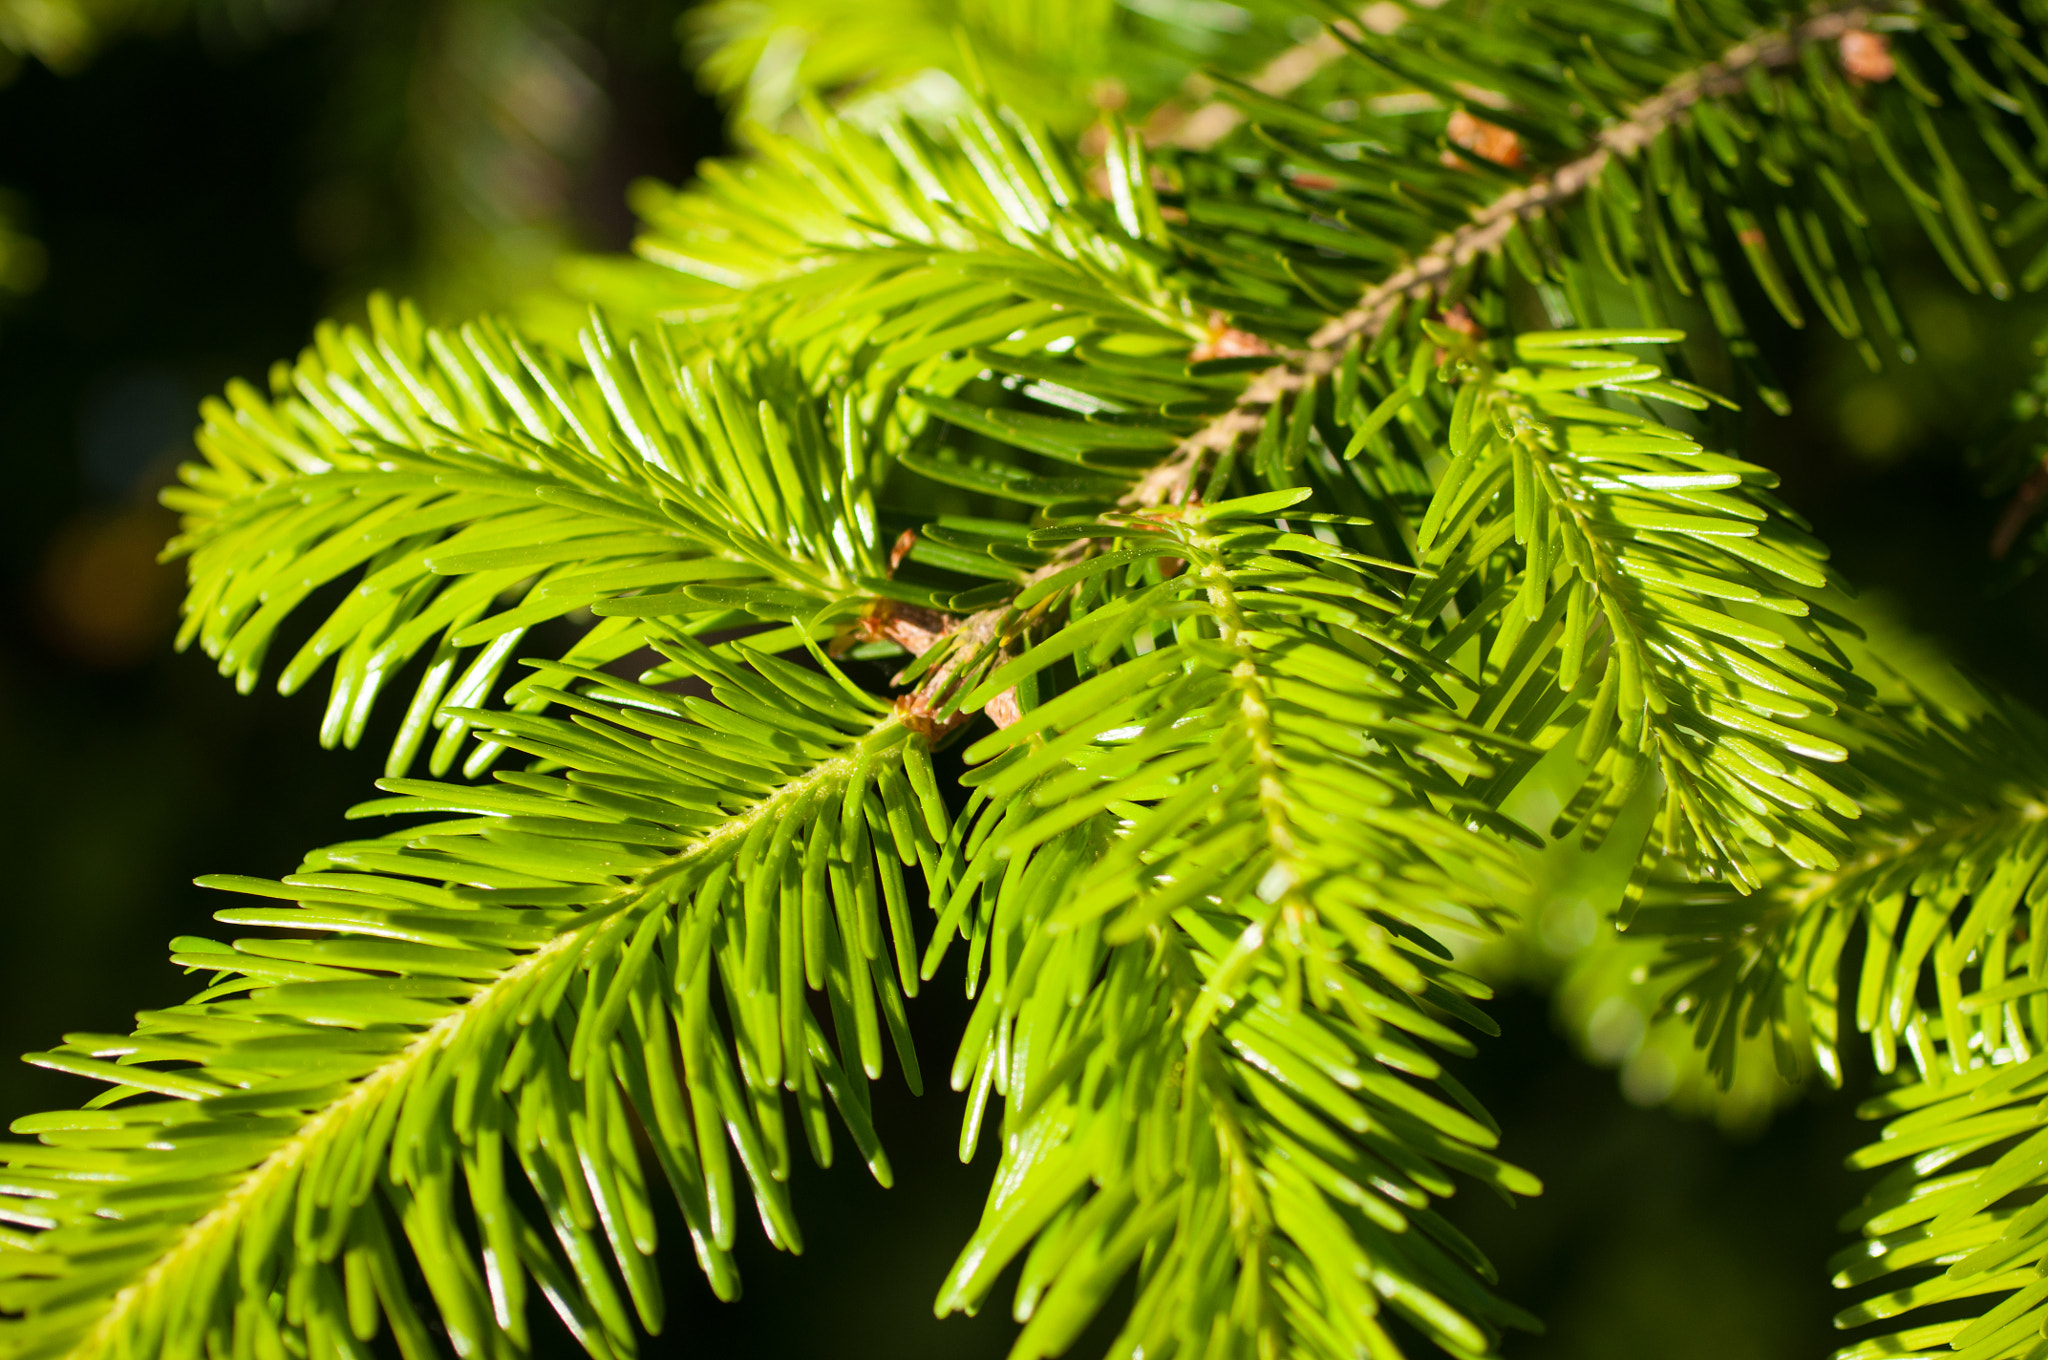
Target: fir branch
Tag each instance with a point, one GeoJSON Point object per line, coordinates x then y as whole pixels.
{"type": "Point", "coordinates": [533, 966]}
{"type": "Point", "coordinates": [1485, 234]}
{"type": "Point", "coordinates": [443, 470]}
{"type": "Point", "coordinates": [1729, 960]}
{"type": "Point", "coordinates": [1256, 732]}
{"type": "Point", "coordinates": [1248, 755]}
{"type": "Point", "coordinates": [1640, 545]}
{"type": "Point", "coordinates": [1649, 120]}
{"type": "Point", "coordinates": [1927, 940]}
{"type": "Point", "coordinates": [1619, 617]}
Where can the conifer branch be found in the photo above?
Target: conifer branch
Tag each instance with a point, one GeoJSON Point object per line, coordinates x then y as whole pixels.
{"type": "Point", "coordinates": [1649, 120]}
{"type": "Point", "coordinates": [217, 1230]}
{"type": "Point", "coordinates": [1269, 655]}
{"type": "Point", "coordinates": [557, 943]}
{"type": "Point", "coordinates": [1484, 234]}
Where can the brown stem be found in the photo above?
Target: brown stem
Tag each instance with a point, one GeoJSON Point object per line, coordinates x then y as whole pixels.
{"type": "Point", "coordinates": [971, 636]}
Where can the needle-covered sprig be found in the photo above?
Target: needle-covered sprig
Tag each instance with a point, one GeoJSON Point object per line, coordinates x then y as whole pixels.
{"type": "Point", "coordinates": [483, 1044]}
{"type": "Point", "coordinates": [1262, 493]}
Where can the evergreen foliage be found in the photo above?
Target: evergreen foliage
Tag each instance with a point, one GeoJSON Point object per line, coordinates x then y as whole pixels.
{"type": "Point", "coordinates": [1258, 499]}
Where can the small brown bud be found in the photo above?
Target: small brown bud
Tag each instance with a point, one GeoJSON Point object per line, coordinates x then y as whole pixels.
{"type": "Point", "coordinates": [1109, 93]}
{"type": "Point", "coordinates": [1867, 56]}
{"type": "Point", "coordinates": [1460, 320]}
{"type": "Point", "coordinates": [914, 711]}
{"type": "Point", "coordinates": [1308, 179]}
{"type": "Point", "coordinates": [905, 541]}
{"type": "Point", "coordinates": [908, 626]}
{"type": "Point", "coordinates": [1225, 341]}
{"type": "Point", "coordinates": [1485, 140]}
{"type": "Point", "coordinates": [1003, 709]}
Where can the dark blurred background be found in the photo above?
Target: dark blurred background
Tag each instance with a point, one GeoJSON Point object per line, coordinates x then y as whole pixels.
{"type": "Point", "coordinates": [184, 206]}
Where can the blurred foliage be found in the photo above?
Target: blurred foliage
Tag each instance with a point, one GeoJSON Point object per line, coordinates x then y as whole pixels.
{"type": "Point", "coordinates": [1605, 994]}
{"type": "Point", "coordinates": [460, 145]}
{"type": "Point", "coordinates": [22, 259]}
{"type": "Point", "coordinates": [1049, 59]}
{"type": "Point", "coordinates": [64, 35]}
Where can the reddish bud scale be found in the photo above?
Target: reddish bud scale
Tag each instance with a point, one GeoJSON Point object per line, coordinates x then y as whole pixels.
{"type": "Point", "coordinates": [1867, 56]}
{"type": "Point", "coordinates": [1485, 140]}
{"type": "Point", "coordinates": [1225, 341]}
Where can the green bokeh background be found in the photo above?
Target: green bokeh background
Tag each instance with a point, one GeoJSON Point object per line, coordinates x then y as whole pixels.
{"type": "Point", "coordinates": [204, 194]}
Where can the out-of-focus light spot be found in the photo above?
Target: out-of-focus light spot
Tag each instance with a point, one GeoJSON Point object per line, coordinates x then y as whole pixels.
{"type": "Point", "coordinates": [1615, 1029]}
{"type": "Point", "coordinates": [65, 34]}
{"type": "Point", "coordinates": [1649, 1077]}
{"type": "Point", "coordinates": [1875, 422]}
{"type": "Point", "coordinates": [1948, 334]}
{"type": "Point", "coordinates": [1200, 14]}
{"type": "Point", "coordinates": [103, 598]}
{"type": "Point", "coordinates": [57, 32]}
{"type": "Point", "coordinates": [1567, 927]}
{"type": "Point", "coordinates": [23, 260]}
